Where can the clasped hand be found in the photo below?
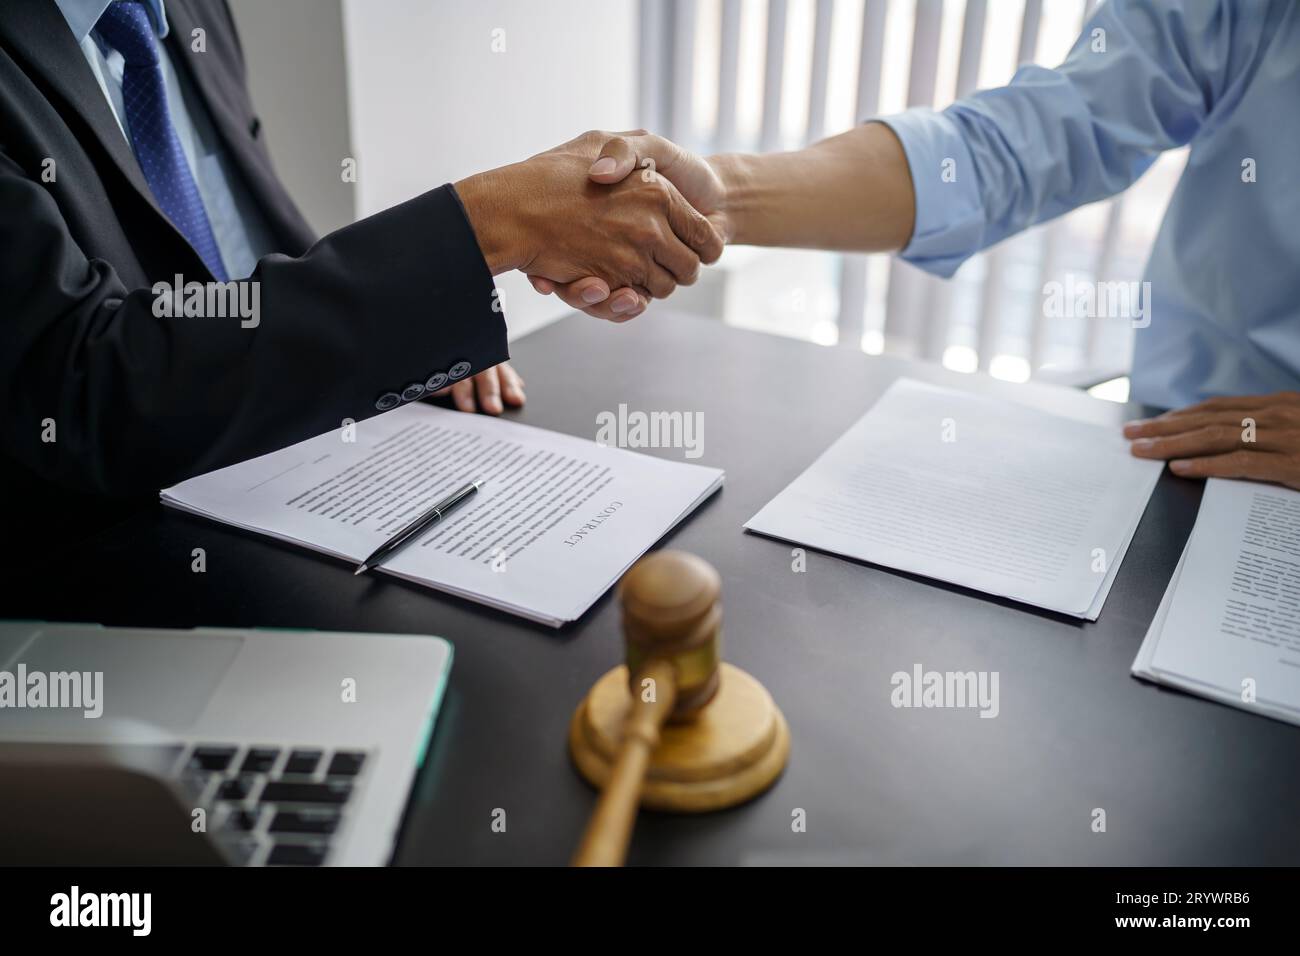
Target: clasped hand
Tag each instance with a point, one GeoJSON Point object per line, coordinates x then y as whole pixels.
{"type": "Point", "coordinates": [577, 223]}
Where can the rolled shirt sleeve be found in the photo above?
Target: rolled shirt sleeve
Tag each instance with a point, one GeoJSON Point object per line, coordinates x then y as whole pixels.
{"type": "Point", "coordinates": [950, 218]}
{"type": "Point", "coordinates": [1142, 78]}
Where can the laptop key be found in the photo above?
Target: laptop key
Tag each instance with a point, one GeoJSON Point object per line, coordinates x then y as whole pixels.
{"type": "Point", "coordinates": [241, 850]}
{"type": "Point", "coordinates": [260, 760]}
{"type": "Point", "coordinates": [236, 788]}
{"type": "Point", "coordinates": [242, 819]}
{"type": "Point", "coordinates": [297, 854]}
{"type": "Point", "coordinates": [331, 791]}
{"type": "Point", "coordinates": [210, 757]}
{"type": "Point", "coordinates": [303, 761]}
{"type": "Point", "coordinates": [307, 820]}
{"type": "Point", "coordinates": [195, 782]}
{"type": "Point", "coordinates": [346, 763]}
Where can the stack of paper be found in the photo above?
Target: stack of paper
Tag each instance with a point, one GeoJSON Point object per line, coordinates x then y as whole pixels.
{"type": "Point", "coordinates": [983, 493]}
{"type": "Point", "coordinates": [1228, 627]}
{"type": "Point", "coordinates": [557, 521]}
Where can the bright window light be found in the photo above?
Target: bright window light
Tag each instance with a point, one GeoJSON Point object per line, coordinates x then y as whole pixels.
{"type": "Point", "coordinates": [1116, 390]}
{"type": "Point", "coordinates": [950, 29]}
{"type": "Point", "coordinates": [961, 358]}
{"type": "Point", "coordinates": [873, 342]}
{"type": "Point", "coordinates": [1009, 368]}
{"type": "Point", "coordinates": [704, 77]}
{"type": "Point", "coordinates": [749, 80]}
{"type": "Point", "coordinates": [825, 333]}
{"type": "Point", "coordinates": [796, 79]}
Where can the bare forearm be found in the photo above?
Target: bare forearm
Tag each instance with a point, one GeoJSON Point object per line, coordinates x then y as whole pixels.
{"type": "Point", "coordinates": [851, 192]}
{"type": "Point", "coordinates": [490, 203]}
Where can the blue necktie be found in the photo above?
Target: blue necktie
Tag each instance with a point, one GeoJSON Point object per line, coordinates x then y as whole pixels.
{"type": "Point", "coordinates": [125, 26]}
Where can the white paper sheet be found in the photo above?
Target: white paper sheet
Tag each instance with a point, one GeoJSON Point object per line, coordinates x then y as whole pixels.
{"type": "Point", "coordinates": [979, 492]}
{"type": "Point", "coordinates": [1228, 627]}
{"type": "Point", "coordinates": [556, 522]}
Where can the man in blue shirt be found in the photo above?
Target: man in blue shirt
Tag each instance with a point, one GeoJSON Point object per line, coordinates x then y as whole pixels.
{"type": "Point", "coordinates": [1222, 76]}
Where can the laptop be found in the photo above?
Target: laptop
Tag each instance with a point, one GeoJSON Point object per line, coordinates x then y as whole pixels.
{"type": "Point", "coordinates": [209, 746]}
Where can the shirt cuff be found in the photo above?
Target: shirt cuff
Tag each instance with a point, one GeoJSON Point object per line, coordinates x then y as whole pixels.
{"type": "Point", "coordinates": [950, 223]}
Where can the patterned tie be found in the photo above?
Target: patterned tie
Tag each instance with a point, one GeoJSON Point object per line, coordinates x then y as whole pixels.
{"type": "Point", "coordinates": [125, 26]}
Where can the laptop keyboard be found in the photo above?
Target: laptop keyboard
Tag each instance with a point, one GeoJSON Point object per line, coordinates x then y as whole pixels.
{"type": "Point", "coordinates": [275, 806]}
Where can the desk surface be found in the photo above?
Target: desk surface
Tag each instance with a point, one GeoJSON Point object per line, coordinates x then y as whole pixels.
{"type": "Point", "coordinates": [1182, 780]}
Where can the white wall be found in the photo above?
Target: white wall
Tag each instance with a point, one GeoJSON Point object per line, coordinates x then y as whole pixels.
{"type": "Point", "coordinates": [296, 72]}
{"type": "Point", "coordinates": [430, 102]}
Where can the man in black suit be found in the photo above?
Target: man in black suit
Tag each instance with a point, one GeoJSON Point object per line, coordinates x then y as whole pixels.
{"type": "Point", "coordinates": [132, 166]}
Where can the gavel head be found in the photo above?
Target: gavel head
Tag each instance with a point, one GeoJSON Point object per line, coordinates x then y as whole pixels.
{"type": "Point", "coordinates": [671, 612]}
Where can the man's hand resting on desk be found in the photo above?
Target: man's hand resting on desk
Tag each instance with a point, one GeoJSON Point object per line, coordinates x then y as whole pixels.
{"type": "Point", "coordinates": [546, 218]}
{"type": "Point", "coordinates": [491, 391]}
{"type": "Point", "coordinates": [1254, 436]}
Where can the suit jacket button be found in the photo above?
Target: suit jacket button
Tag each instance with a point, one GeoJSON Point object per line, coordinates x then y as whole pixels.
{"type": "Point", "coordinates": [387, 400]}
{"type": "Point", "coordinates": [437, 380]}
{"type": "Point", "coordinates": [459, 370]}
{"type": "Point", "coordinates": [412, 392]}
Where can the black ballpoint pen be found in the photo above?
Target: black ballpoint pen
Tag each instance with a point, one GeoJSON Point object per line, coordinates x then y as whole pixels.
{"type": "Point", "coordinates": [426, 520]}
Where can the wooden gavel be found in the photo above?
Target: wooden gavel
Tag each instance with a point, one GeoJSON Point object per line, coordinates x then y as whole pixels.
{"type": "Point", "coordinates": [674, 729]}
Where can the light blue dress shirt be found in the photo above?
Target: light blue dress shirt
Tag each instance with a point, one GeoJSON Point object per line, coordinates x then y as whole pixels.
{"type": "Point", "coordinates": [240, 231]}
{"type": "Point", "coordinates": [1222, 75]}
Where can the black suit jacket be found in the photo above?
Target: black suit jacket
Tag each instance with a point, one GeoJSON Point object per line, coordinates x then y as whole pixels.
{"type": "Point", "coordinates": [139, 402]}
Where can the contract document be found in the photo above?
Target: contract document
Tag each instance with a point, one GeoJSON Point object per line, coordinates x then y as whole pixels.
{"type": "Point", "coordinates": [976, 491]}
{"type": "Point", "coordinates": [1228, 627]}
{"type": "Point", "coordinates": [556, 521]}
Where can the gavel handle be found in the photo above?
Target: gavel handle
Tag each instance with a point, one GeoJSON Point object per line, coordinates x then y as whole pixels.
{"type": "Point", "coordinates": [609, 831]}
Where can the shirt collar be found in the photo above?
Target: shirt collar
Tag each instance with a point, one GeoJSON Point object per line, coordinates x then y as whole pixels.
{"type": "Point", "coordinates": [82, 15]}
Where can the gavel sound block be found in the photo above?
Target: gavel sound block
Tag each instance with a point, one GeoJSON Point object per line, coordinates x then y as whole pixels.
{"type": "Point", "coordinates": [674, 729]}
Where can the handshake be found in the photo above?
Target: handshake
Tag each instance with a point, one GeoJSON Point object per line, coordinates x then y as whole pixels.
{"type": "Point", "coordinates": [609, 221]}
{"type": "Point", "coordinates": [606, 221]}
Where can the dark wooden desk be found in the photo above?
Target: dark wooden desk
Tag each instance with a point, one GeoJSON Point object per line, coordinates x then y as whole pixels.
{"type": "Point", "coordinates": [1182, 780]}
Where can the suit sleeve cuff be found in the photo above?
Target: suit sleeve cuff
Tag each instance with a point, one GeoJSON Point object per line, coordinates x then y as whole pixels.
{"type": "Point", "coordinates": [414, 301]}
{"type": "Point", "coordinates": [949, 215]}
